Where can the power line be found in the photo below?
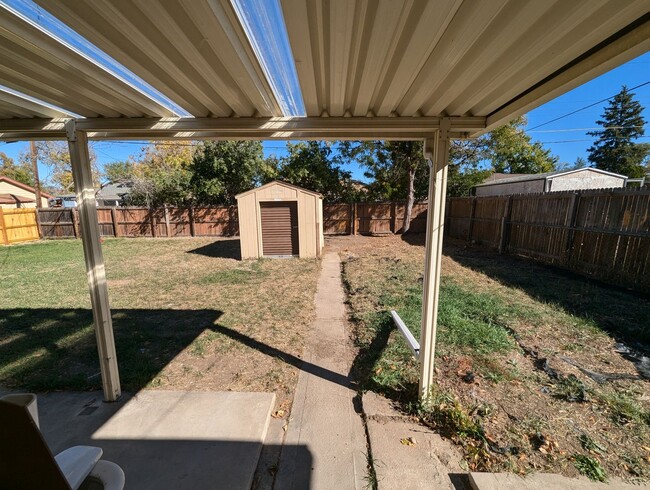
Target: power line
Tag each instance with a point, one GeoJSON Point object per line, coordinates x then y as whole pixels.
{"type": "Point", "coordinates": [586, 107]}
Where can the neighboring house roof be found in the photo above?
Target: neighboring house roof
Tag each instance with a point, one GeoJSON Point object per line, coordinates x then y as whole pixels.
{"type": "Point", "coordinates": [4, 178]}
{"type": "Point", "coordinates": [13, 199]}
{"type": "Point", "coordinates": [114, 191]}
{"type": "Point", "coordinates": [495, 179]}
{"type": "Point", "coordinates": [282, 184]}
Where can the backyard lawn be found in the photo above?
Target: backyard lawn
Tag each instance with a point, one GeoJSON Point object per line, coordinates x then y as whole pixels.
{"type": "Point", "coordinates": [187, 314]}
{"type": "Point", "coordinates": [537, 369]}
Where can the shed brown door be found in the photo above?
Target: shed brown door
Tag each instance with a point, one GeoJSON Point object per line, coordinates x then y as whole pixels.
{"type": "Point", "coordinates": [279, 228]}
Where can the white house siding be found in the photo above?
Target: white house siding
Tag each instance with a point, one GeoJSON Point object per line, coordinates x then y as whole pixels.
{"type": "Point", "coordinates": [585, 179]}
{"type": "Point", "coordinates": [7, 188]}
{"type": "Point", "coordinates": [525, 187]}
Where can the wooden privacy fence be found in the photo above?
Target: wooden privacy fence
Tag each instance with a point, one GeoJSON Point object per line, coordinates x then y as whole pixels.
{"type": "Point", "coordinates": [371, 218]}
{"type": "Point", "coordinates": [144, 222]}
{"type": "Point", "coordinates": [601, 233]}
{"type": "Point", "coordinates": [18, 225]}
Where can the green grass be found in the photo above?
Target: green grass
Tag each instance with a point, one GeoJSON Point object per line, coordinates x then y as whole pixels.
{"type": "Point", "coordinates": [590, 467]}
{"type": "Point", "coordinates": [468, 321]}
{"type": "Point", "coordinates": [168, 297]}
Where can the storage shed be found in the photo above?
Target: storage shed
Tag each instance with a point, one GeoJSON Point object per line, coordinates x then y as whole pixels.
{"type": "Point", "coordinates": [562, 180]}
{"type": "Point", "coordinates": [280, 220]}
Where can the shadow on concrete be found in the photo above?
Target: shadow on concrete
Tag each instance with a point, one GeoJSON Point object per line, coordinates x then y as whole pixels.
{"type": "Point", "coordinates": [224, 249]}
{"type": "Point", "coordinates": [192, 463]}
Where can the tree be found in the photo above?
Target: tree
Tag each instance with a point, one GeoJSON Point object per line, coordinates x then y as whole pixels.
{"type": "Point", "coordinates": [615, 149]}
{"type": "Point", "coordinates": [55, 155]}
{"type": "Point", "coordinates": [119, 171]}
{"type": "Point", "coordinates": [511, 150]}
{"type": "Point", "coordinates": [465, 158]}
{"type": "Point", "coordinates": [398, 169]}
{"type": "Point", "coordinates": [21, 171]}
{"type": "Point", "coordinates": [222, 169]}
{"type": "Point", "coordinates": [162, 175]}
{"type": "Point", "coordinates": [310, 164]}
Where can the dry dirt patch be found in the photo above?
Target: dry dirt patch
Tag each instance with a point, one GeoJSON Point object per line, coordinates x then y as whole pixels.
{"type": "Point", "coordinates": [538, 369]}
{"type": "Point", "coordinates": [187, 314]}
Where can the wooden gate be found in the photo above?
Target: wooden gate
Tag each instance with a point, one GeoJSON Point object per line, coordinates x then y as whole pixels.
{"type": "Point", "coordinates": [18, 225]}
{"type": "Point", "coordinates": [279, 228]}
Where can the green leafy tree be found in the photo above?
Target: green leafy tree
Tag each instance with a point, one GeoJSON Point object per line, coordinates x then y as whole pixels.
{"type": "Point", "coordinates": [119, 171]}
{"type": "Point", "coordinates": [223, 169]}
{"type": "Point", "coordinates": [398, 170]}
{"type": "Point", "coordinates": [21, 171]}
{"type": "Point", "coordinates": [162, 175]}
{"type": "Point", "coordinates": [465, 171]}
{"type": "Point", "coordinates": [615, 149]}
{"type": "Point", "coordinates": [310, 164]}
{"type": "Point", "coordinates": [511, 150]}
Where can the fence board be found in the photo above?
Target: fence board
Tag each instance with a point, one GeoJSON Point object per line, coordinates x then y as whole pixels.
{"type": "Point", "coordinates": [600, 233]}
{"type": "Point", "coordinates": [18, 225]}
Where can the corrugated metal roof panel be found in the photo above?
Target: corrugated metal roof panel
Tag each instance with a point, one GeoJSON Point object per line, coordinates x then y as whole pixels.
{"type": "Point", "coordinates": [445, 57]}
{"type": "Point", "coordinates": [34, 63]}
{"type": "Point", "coordinates": [194, 52]}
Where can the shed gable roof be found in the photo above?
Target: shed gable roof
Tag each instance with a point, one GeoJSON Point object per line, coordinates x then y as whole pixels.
{"type": "Point", "coordinates": [545, 176]}
{"type": "Point", "coordinates": [281, 184]}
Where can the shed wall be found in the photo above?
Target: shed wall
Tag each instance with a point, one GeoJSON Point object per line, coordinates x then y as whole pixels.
{"type": "Point", "coordinates": [7, 188]}
{"type": "Point", "coordinates": [585, 179]}
{"type": "Point", "coordinates": [525, 187]}
{"type": "Point", "coordinates": [310, 222]}
{"type": "Point", "coordinates": [248, 229]}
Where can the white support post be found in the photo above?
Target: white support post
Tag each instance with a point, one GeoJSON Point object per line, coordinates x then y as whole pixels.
{"type": "Point", "coordinates": [83, 182]}
{"type": "Point", "coordinates": [437, 152]}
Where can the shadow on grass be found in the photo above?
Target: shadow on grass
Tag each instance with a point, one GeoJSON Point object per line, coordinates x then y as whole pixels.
{"type": "Point", "coordinates": [623, 314]}
{"type": "Point", "coordinates": [364, 365]}
{"type": "Point", "coordinates": [224, 249]}
{"type": "Point", "coordinates": [55, 349]}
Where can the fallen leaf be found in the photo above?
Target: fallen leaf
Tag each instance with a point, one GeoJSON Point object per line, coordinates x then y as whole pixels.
{"type": "Point", "coordinates": [408, 441]}
{"type": "Point", "coordinates": [278, 414]}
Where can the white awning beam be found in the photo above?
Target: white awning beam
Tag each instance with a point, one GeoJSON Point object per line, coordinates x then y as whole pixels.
{"type": "Point", "coordinates": [331, 128]}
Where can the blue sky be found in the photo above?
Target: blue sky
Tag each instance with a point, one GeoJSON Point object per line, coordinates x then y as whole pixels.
{"type": "Point", "coordinates": [263, 22]}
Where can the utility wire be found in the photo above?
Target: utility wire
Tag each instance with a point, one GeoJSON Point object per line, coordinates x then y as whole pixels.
{"type": "Point", "coordinates": [586, 107]}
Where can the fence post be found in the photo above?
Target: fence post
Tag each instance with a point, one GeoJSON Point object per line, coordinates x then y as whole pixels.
{"type": "Point", "coordinates": [354, 219]}
{"type": "Point", "coordinates": [505, 226]}
{"type": "Point", "coordinates": [37, 212]}
{"type": "Point", "coordinates": [167, 220]}
{"type": "Point", "coordinates": [471, 219]}
{"type": "Point", "coordinates": [75, 222]}
{"type": "Point", "coordinates": [570, 236]}
{"type": "Point", "coordinates": [116, 232]}
{"type": "Point", "coordinates": [152, 220]}
{"type": "Point", "coordinates": [191, 213]}
{"type": "Point", "coordinates": [3, 228]}
{"type": "Point", "coordinates": [393, 217]}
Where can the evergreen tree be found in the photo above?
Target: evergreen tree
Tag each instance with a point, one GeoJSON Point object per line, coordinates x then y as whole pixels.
{"type": "Point", "coordinates": [615, 149]}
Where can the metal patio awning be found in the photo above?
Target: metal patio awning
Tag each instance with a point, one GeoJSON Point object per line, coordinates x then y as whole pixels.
{"type": "Point", "coordinates": [489, 59]}
{"type": "Point", "coordinates": [394, 69]}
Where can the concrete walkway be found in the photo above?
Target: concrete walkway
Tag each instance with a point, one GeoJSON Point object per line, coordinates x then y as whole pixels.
{"type": "Point", "coordinates": [323, 418]}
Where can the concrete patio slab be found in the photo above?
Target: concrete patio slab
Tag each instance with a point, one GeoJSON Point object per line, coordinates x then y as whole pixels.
{"type": "Point", "coordinates": [165, 439]}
